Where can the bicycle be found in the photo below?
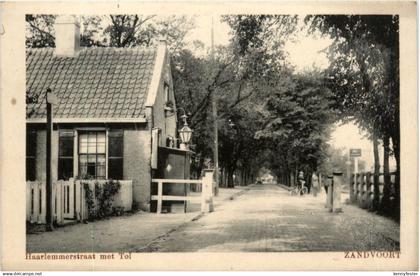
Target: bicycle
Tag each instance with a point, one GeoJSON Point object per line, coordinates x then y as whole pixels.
{"type": "Point", "coordinates": [299, 189]}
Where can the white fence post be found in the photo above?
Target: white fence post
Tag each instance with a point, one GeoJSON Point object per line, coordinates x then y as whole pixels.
{"type": "Point", "coordinates": [35, 211]}
{"type": "Point", "coordinates": [206, 192]}
{"type": "Point", "coordinates": [77, 199]}
{"type": "Point", "coordinates": [159, 201]}
{"type": "Point", "coordinates": [58, 195]}
{"type": "Point", "coordinates": [82, 202]}
{"type": "Point", "coordinates": [28, 201]}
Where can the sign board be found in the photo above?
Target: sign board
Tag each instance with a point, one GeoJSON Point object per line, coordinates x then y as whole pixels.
{"type": "Point", "coordinates": [355, 152]}
{"type": "Point", "coordinates": [155, 145]}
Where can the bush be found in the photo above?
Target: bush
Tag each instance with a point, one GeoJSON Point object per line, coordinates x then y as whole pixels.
{"type": "Point", "coordinates": [104, 197]}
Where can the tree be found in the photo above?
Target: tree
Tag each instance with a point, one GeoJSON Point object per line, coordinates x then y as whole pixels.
{"type": "Point", "coordinates": [299, 115]}
{"type": "Point", "coordinates": [114, 30]}
{"type": "Point", "coordinates": [39, 31]}
{"type": "Point", "coordinates": [367, 48]}
{"type": "Point", "coordinates": [140, 30]}
{"type": "Point", "coordinates": [296, 110]}
{"type": "Point", "coordinates": [196, 81]}
{"type": "Point", "coordinates": [128, 30]}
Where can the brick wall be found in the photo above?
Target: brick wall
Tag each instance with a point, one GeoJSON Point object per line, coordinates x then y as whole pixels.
{"type": "Point", "coordinates": [167, 124]}
{"type": "Point", "coordinates": [41, 155]}
{"type": "Point", "coordinates": [137, 151]}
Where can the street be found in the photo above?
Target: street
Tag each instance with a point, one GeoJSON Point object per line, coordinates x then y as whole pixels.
{"type": "Point", "coordinates": [255, 218]}
{"type": "Point", "coordinates": [268, 219]}
{"type": "Point", "coordinates": [128, 233]}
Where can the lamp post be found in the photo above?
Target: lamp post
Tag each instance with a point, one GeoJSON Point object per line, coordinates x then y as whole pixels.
{"type": "Point", "coordinates": [185, 133]}
{"type": "Point", "coordinates": [51, 100]}
{"type": "Point", "coordinates": [214, 115]}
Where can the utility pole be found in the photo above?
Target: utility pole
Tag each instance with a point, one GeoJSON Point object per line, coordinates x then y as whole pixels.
{"type": "Point", "coordinates": [214, 113]}
{"type": "Point", "coordinates": [51, 99]}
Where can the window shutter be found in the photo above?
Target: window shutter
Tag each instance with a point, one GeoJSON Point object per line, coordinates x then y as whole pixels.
{"type": "Point", "coordinates": [115, 154]}
{"type": "Point", "coordinates": [31, 154]}
{"type": "Point", "coordinates": [155, 146]}
{"type": "Point", "coordinates": [65, 154]}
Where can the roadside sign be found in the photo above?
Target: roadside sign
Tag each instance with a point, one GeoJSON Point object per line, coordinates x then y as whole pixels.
{"type": "Point", "coordinates": [355, 152]}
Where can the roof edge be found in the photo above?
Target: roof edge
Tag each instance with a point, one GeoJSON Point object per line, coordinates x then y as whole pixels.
{"type": "Point", "coordinates": [88, 120]}
{"type": "Point", "coordinates": [156, 77]}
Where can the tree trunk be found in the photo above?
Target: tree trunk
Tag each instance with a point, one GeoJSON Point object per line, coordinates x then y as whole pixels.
{"type": "Point", "coordinates": [387, 177]}
{"type": "Point", "coordinates": [246, 177]}
{"type": "Point", "coordinates": [309, 180]}
{"type": "Point", "coordinates": [376, 173]}
{"type": "Point", "coordinates": [396, 148]}
{"type": "Point", "coordinates": [230, 183]}
{"type": "Point", "coordinates": [225, 180]}
{"type": "Point", "coordinates": [290, 178]}
{"type": "Point", "coordinates": [222, 174]}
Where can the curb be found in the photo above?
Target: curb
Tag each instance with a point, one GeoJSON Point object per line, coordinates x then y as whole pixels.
{"type": "Point", "coordinates": [149, 246]}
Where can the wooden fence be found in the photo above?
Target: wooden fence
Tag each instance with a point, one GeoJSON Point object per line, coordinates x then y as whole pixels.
{"type": "Point", "coordinates": [206, 197]}
{"type": "Point", "coordinates": [63, 201]}
{"type": "Point", "coordinates": [68, 200]}
{"type": "Point", "coordinates": [362, 190]}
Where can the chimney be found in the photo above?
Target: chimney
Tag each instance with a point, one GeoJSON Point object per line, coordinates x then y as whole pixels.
{"type": "Point", "coordinates": [67, 36]}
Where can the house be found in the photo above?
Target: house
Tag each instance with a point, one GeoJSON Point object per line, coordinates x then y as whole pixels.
{"type": "Point", "coordinates": [115, 107]}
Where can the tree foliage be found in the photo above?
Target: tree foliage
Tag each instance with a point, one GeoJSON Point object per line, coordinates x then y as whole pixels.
{"type": "Point", "coordinates": [365, 80]}
{"type": "Point", "coordinates": [268, 115]}
{"type": "Point", "coordinates": [297, 124]}
{"type": "Point", "coordinates": [114, 30]}
{"type": "Point", "coordinates": [364, 67]}
{"type": "Point", "coordinates": [295, 109]}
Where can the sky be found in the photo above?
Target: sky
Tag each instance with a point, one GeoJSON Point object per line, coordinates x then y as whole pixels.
{"type": "Point", "coordinates": [305, 53]}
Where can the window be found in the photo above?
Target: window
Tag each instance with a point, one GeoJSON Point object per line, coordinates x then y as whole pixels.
{"type": "Point", "coordinates": [115, 154]}
{"type": "Point", "coordinates": [30, 155]}
{"type": "Point", "coordinates": [65, 154]}
{"type": "Point", "coordinates": [166, 90]}
{"type": "Point", "coordinates": [92, 154]}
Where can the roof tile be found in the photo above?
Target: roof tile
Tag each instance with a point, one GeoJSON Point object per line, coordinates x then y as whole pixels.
{"type": "Point", "coordinates": [99, 82]}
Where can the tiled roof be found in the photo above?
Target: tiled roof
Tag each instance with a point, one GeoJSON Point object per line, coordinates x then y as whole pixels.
{"type": "Point", "coordinates": [97, 83]}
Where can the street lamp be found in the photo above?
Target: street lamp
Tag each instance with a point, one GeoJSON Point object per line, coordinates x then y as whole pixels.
{"type": "Point", "coordinates": [231, 124]}
{"type": "Point", "coordinates": [185, 133]}
{"type": "Point", "coordinates": [51, 100]}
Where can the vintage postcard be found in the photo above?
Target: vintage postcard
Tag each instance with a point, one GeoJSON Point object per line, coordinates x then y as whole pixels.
{"type": "Point", "coordinates": [209, 136]}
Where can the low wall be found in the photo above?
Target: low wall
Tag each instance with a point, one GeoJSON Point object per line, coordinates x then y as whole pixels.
{"type": "Point", "coordinates": [124, 197]}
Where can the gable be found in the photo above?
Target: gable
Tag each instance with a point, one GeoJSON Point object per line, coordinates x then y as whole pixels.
{"type": "Point", "coordinates": [161, 74]}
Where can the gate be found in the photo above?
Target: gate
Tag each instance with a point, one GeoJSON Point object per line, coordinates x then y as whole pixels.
{"type": "Point", "coordinates": [206, 197]}
{"type": "Point", "coordinates": [63, 201]}
{"type": "Point", "coordinates": [68, 199]}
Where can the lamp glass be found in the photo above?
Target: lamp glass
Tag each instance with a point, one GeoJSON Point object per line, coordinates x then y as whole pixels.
{"type": "Point", "coordinates": [185, 133]}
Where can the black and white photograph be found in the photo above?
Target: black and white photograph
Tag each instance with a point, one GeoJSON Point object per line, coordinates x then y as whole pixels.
{"type": "Point", "coordinates": [213, 133]}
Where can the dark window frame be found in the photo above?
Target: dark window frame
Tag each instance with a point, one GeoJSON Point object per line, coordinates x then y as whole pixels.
{"type": "Point", "coordinates": [116, 173]}
{"type": "Point", "coordinates": [96, 154]}
{"type": "Point", "coordinates": [64, 134]}
{"type": "Point", "coordinates": [31, 148]}
{"type": "Point", "coordinates": [166, 92]}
